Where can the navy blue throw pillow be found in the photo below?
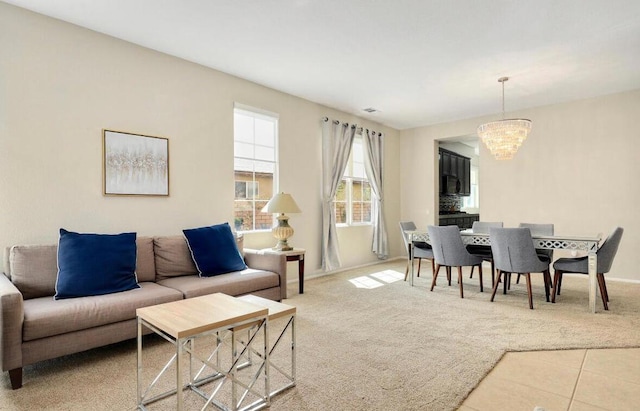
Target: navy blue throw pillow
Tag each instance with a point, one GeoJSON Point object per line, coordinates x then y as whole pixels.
{"type": "Point", "coordinates": [95, 264]}
{"type": "Point", "coordinates": [214, 250]}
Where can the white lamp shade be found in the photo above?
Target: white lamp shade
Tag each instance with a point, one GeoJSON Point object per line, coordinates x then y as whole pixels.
{"type": "Point", "coordinates": [281, 203]}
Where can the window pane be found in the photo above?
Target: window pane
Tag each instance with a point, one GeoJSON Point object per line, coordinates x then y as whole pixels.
{"type": "Point", "coordinates": [264, 221]}
{"type": "Point", "coordinates": [243, 128]}
{"type": "Point", "coordinates": [358, 170]}
{"type": "Point", "coordinates": [241, 190]}
{"type": "Point", "coordinates": [341, 212]}
{"type": "Point", "coordinates": [356, 211]}
{"type": "Point", "coordinates": [366, 191]}
{"type": "Point", "coordinates": [265, 133]}
{"type": "Point", "coordinates": [264, 178]}
{"type": "Point", "coordinates": [341, 193]}
{"type": "Point", "coordinates": [243, 150]}
{"type": "Point", "coordinates": [357, 151]}
{"type": "Point", "coordinates": [265, 153]}
{"type": "Point", "coordinates": [366, 212]}
{"type": "Point", "coordinates": [243, 215]}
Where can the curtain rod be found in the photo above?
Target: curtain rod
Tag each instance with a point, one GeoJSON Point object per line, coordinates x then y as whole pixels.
{"type": "Point", "coordinates": [336, 122]}
{"type": "Point", "coordinates": [359, 130]}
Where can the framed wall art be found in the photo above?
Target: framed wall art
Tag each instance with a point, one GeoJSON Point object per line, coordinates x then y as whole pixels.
{"type": "Point", "coordinates": [135, 164]}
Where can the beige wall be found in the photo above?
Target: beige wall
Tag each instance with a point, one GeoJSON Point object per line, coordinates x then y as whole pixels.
{"type": "Point", "coordinates": [579, 169]}
{"type": "Point", "coordinates": [60, 85]}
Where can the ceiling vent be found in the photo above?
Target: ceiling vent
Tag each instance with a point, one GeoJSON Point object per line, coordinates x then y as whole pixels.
{"type": "Point", "coordinates": [369, 110]}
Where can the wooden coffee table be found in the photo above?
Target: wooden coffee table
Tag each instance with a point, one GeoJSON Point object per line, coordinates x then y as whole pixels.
{"type": "Point", "coordinates": [181, 322]}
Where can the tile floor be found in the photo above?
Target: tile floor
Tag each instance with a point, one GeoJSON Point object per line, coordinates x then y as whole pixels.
{"type": "Point", "coordinates": [569, 380]}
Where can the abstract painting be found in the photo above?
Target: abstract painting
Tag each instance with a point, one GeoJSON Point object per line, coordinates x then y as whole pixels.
{"type": "Point", "coordinates": [135, 164]}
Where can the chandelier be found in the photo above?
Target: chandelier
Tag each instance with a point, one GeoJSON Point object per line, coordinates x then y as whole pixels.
{"type": "Point", "coordinates": [504, 137]}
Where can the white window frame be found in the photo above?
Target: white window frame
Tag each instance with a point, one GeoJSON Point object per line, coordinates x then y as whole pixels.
{"type": "Point", "coordinates": [271, 117]}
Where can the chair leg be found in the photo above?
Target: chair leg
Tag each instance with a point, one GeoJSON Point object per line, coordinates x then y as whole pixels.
{"type": "Point", "coordinates": [603, 293]}
{"type": "Point", "coordinates": [433, 265]}
{"type": "Point", "coordinates": [460, 281]}
{"type": "Point", "coordinates": [471, 275]}
{"type": "Point", "coordinates": [547, 281]}
{"type": "Point", "coordinates": [560, 282]}
{"type": "Point", "coordinates": [495, 285]}
{"type": "Point", "coordinates": [509, 282]}
{"type": "Point", "coordinates": [505, 280]}
{"type": "Point", "coordinates": [604, 286]}
{"type": "Point", "coordinates": [556, 284]}
{"type": "Point", "coordinates": [518, 279]}
{"type": "Point", "coordinates": [419, 265]}
{"type": "Point", "coordinates": [480, 275]}
{"type": "Point", "coordinates": [435, 276]}
{"type": "Point", "coordinates": [406, 270]}
{"type": "Point", "coordinates": [448, 269]}
{"type": "Point", "coordinates": [493, 269]}
{"type": "Point", "coordinates": [529, 290]}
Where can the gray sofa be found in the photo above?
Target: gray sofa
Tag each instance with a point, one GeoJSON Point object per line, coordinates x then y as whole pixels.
{"type": "Point", "coordinates": [35, 327]}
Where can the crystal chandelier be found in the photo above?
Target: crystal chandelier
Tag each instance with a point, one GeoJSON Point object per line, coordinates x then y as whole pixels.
{"type": "Point", "coordinates": [504, 137]}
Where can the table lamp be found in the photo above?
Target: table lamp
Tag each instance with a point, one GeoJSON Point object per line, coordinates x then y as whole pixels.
{"type": "Point", "coordinates": [282, 203]}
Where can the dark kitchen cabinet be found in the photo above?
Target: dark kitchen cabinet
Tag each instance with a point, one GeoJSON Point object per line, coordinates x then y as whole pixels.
{"type": "Point", "coordinates": [453, 170]}
{"type": "Point", "coordinates": [445, 161]}
{"type": "Point", "coordinates": [463, 220]}
{"type": "Point", "coordinates": [453, 166]}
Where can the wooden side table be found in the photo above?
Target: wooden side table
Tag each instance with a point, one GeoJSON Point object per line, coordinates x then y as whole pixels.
{"type": "Point", "coordinates": [287, 315]}
{"type": "Point", "coordinates": [297, 254]}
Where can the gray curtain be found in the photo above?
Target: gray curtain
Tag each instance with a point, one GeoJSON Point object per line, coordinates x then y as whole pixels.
{"type": "Point", "coordinates": [337, 139]}
{"type": "Point", "coordinates": [373, 149]}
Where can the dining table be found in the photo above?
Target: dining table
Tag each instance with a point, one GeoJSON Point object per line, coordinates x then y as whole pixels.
{"type": "Point", "coordinates": [588, 245]}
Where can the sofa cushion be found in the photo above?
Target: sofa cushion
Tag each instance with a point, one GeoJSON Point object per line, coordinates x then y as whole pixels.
{"type": "Point", "coordinates": [172, 257]}
{"type": "Point", "coordinates": [45, 317]}
{"type": "Point", "coordinates": [145, 260]}
{"type": "Point", "coordinates": [237, 283]}
{"type": "Point", "coordinates": [214, 250]}
{"type": "Point", "coordinates": [34, 269]}
{"type": "Point", "coordinates": [95, 264]}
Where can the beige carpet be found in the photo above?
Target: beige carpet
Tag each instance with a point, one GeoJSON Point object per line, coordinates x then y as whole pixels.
{"type": "Point", "coordinates": [384, 348]}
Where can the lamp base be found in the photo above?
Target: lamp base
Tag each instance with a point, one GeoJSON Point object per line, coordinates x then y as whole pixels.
{"type": "Point", "coordinates": [282, 232]}
{"type": "Point", "coordinates": [282, 247]}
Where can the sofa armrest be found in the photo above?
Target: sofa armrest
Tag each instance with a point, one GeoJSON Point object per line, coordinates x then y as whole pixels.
{"type": "Point", "coordinates": [11, 319]}
{"type": "Point", "coordinates": [269, 262]}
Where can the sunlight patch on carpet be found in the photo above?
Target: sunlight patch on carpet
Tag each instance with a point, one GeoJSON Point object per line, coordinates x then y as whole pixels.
{"type": "Point", "coordinates": [367, 282]}
{"type": "Point", "coordinates": [388, 276]}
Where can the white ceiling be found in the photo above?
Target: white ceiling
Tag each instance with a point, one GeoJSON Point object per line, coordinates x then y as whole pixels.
{"type": "Point", "coordinates": [418, 62]}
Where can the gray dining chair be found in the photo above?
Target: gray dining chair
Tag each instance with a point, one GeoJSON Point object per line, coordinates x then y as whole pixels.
{"type": "Point", "coordinates": [513, 252]}
{"type": "Point", "coordinates": [539, 229]}
{"type": "Point", "coordinates": [606, 253]}
{"type": "Point", "coordinates": [449, 251]}
{"type": "Point", "coordinates": [421, 250]}
{"type": "Point", "coordinates": [483, 251]}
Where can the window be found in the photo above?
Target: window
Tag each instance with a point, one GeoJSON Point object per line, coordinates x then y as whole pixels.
{"type": "Point", "coordinates": [473, 200]}
{"type": "Point", "coordinates": [353, 198]}
{"type": "Point", "coordinates": [255, 167]}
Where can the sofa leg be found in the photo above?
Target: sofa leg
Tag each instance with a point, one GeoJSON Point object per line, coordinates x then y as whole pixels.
{"type": "Point", "coordinates": [15, 376]}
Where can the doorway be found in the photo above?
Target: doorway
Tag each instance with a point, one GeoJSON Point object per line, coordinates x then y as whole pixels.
{"type": "Point", "coordinates": [458, 167]}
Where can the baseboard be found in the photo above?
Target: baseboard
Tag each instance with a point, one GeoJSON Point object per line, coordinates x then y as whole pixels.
{"type": "Point", "coordinates": [318, 274]}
